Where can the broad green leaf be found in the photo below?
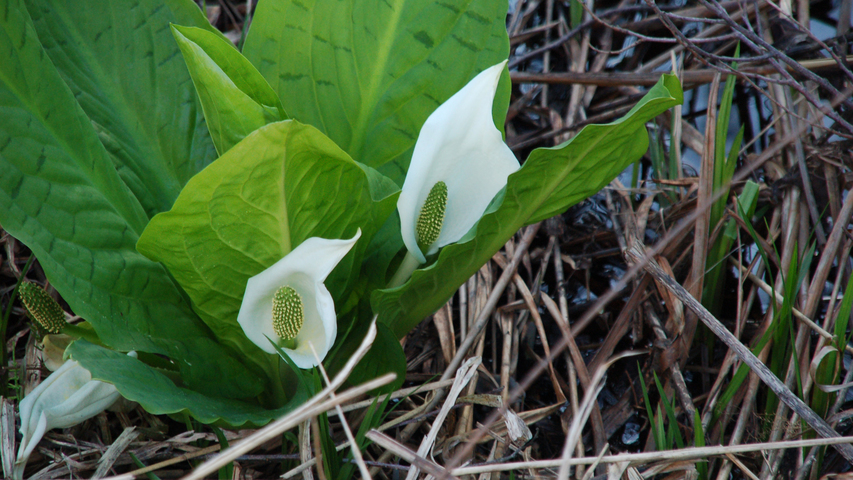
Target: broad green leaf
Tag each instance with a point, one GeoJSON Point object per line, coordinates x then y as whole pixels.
{"type": "Point", "coordinates": [158, 394]}
{"type": "Point", "coordinates": [60, 195]}
{"type": "Point", "coordinates": [586, 163]}
{"type": "Point", "coordinates": [235, 98]}
{"type": "Point", "coordinates": [551, 180]}
{"type": "Point", "coordinates": [280, 185]}
{"type": "Point", "coordinates": [124, 68]}
{"type": "Point", "coordinates": [386, 244]}
{"type": "Point", "coordinates": [369, 73]}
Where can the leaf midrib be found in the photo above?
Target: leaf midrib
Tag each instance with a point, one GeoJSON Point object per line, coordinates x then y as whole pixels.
{"type": "Point", "coordinates": [130, 209]}
{"type": "Point", "coordinates": [371, 93]}
{"type": "Point", "coordinates": [128, 117]}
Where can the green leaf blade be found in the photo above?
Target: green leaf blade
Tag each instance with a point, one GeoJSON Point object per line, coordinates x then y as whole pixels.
{"type": "Point", "coordinates": [124, 68]}
{"type": "Point", "coordinates": [159, 395]}
{"type": "Point", "coordinates": [60, 195]}
{"type": "Point", "coordinates": [390, 70]}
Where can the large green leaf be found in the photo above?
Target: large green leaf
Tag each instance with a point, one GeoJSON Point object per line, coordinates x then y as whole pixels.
{"type": "Point", "coordinates": [60, 194]}
{"type": "Point", "coordinates": [369, 73]}
{"type": "Point", "coordinates": [551, 180]}
{"type": "Point", "coordinates": [157, 394]}
{"type": "Point", "coordinates": [125, 70]}
{"type": "Point", "coordinates": [282, 184]}
{"type": "Point", "coordinates": [235, 98]}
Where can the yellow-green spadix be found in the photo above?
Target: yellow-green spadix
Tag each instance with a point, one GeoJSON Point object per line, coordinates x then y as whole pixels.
{"type": "Point", "coordinates": [460, 147]}
{"type": "Point", "coordinates": [42, 308]}
{"type": "Point", "coordinates": [289, 305]}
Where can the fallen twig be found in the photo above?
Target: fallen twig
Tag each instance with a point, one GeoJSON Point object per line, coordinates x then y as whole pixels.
{"type": "Point", "coordinates": [635, 254]}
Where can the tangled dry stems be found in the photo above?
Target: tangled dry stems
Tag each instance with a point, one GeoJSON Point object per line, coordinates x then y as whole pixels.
{"type": "Point", "coordinates": [506, 378]}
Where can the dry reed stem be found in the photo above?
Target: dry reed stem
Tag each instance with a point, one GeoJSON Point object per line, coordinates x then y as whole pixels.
{"type": "Point", "coordinates": [690, 78]}
{"type": "Point", "coordinates": [540, 328]}
{"type": "Point", "coordinates": [589, 400]}
{"type": "Point", "coordinates": [563, 321]}
{"type": "Point", "coordinates": [743, 468]}
{"type": "Point", "coordinates": [463, 376]}
{"type": "Point", "coordinates": [675, 370]}
{"type": "Point", "coordinates": [406, 454]}
{"type": "Point", "coordinates": [354, 447]}
{"type": "Point", "coordinates": [7, 436]}
{"type": "Point", "coordinates": [493, 300]}
{"type": "Point", "coordinates": [317, 460]}
{"type": "Point", "coordinates": [689, 453]}
{"type": "Point", "coordinates": [403, 393]}
{"type": "Point", "coordinates": [166, 463]}
{"type": "Point", "coordinates": [780, 300]}
{"type": "Point", "coordinates": [305, 446]}
{"type": "Point", "coordinates": [443, 320]}
{"type": "Point", "coordinates": [285, 423]}
{"type": "Point", "coordinates": [747, 409]}
{"type": "Point", "coordinates": [314, 406]}
{"type": "Point", "coordinates": [111, 455]}
{"type": "Point", "coordinates": [636, 255]}
{"type": "Point", "coordinates": [479, 304]}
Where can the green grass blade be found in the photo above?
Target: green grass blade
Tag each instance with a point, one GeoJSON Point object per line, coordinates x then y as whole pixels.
{"type": "Point", "coordinates": [670, 414]}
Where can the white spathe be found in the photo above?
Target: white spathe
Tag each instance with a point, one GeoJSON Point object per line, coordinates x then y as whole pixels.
{"type": "Point", "coordinates": [65, 398]}
{"type": "Point", "coordinates": [459, 145]}
{"type": "Point", "coordinates": [304, 269]}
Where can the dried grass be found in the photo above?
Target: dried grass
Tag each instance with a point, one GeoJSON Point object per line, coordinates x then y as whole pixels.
{"type": "Point", "coordinates": [510, 375]}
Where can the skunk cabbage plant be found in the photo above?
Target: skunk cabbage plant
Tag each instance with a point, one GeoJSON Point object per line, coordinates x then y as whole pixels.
{"type": "Point", "coordinates": [171, 185]}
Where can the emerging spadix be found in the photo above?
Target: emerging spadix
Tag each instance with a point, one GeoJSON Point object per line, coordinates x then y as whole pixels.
{"type": "Point", "coordinates": [65, 398]}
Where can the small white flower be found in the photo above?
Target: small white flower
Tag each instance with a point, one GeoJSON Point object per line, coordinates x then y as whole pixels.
{"type": "Point", "coordinates": [461, 158]}
{"type": "Point", "coordinates": [65, 398]}
{"type": "Point", "coordinates": [289, 304]}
